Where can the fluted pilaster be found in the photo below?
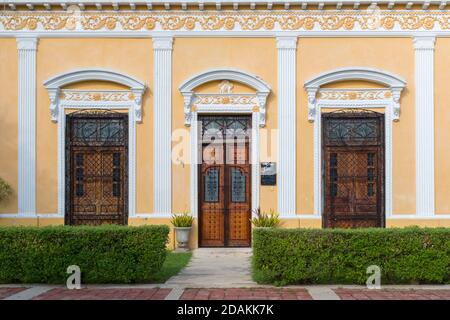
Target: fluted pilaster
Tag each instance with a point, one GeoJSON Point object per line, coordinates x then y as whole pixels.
{"type": "Point", "coordinates": [162, 114]}
{"type": "Point", "coordinates": [26, 192]}
{"type": "Point", "coordinates": [287, 47]}
{"type": "Point", "coordinates": [424, 76]}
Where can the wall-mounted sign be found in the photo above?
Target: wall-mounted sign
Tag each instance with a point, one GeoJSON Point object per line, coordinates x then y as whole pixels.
{"type": "Point", "coordinates": [268, 173]}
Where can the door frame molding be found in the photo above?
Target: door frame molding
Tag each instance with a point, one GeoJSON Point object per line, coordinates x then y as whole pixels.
{"type": "Point", "coordinates": [387, 99]}
{"type": "Point", "coordinates": [254, 105]}
{"type": "Point", "coordinates": [68, 214]}
{"type": "Point", "coordinates": [63, 100]}
{"type": "Point", "coordinates": [254, 145]}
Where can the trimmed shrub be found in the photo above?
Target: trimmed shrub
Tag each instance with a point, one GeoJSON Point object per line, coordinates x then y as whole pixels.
{"type": "Point", "coordinates": [341, 256]}
{"type": "Point", "coordinates": [105, 254]}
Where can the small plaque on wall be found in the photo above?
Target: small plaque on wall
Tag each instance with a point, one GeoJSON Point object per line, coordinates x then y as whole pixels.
{"type": "Point", "coordinates": [268, 174]}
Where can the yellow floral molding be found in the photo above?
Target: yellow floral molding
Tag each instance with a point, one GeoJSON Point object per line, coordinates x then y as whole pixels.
{"type": "Point", "coordinates": [328, 20]}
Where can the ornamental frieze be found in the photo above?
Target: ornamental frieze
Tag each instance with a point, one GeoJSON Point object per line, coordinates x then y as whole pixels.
{"type": "Point", "coordinates": [364, 94]}
{"type": "Point", "coordinates": [264, 20]}
{"type": "Point", "coordinates": [109, 96]}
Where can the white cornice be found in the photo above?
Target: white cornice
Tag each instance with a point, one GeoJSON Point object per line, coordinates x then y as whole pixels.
{"type": "Point", "coordinates": [356, 73]}
{"type": "Point", "coordinates": [93, 74]}
{"type": "Point", "coordinates": [302, 3]}
{"type": "Point", "coordinates": [225, 74]}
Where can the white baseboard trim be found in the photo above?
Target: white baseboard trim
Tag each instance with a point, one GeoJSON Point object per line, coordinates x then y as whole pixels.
{"type": "Point", "coordinates": [30, 216]}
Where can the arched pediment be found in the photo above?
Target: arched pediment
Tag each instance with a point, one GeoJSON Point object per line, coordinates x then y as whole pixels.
{"type": "Point", "coordinates": [225, 74]}
{"type": "Point", "coordinates": [356, 73]}
{"type": "Point", "coordinates": [392, 82]}
{"type": "Point", "coordinates": [55, 84]}
{"type": "Point", "coordinates": [74, 76]}
{"type": "Point", "coordinates": [226, 100]}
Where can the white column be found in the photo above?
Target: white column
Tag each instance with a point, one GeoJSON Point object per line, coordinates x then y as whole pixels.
{"type": "Point", "coordinates": [286, 125]}
{"type": "Point", "coordinates": [424, 72]}
{"type": "Point", "coordinates": [26, 192]}
{"type": "Point", "coordinates": [162, 114]}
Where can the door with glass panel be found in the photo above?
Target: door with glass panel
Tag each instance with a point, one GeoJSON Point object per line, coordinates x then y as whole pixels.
{"type": "Point", "coordinates": [224, 181]}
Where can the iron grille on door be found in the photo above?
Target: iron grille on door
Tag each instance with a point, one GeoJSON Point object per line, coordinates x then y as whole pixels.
{"type": "Point", "coordinates": [96, 168]}
{"type": "Point", "coordinates": [353, 168]}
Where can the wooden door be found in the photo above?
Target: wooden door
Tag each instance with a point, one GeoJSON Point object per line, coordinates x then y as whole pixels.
{"type": "Point", "coordinates": [96, 169]}
{"type": "Point", "coordinates": [224, 181]}
{"type": "Point", "coordinates": [353, 163]}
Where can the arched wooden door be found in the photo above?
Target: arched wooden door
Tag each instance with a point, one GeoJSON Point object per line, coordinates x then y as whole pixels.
{"type": "Point", "coordinates": [353, 169]}
{"type": "Point", "coordinates": [225, 181]}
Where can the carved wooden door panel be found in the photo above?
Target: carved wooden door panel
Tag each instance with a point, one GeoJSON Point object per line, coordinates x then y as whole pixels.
{"type": "Point", "coordinates": [353, 162]}
{"type": "Point", "coordinates": [96, 169]}
{"type": "Point", "coordinates": [224, 181]}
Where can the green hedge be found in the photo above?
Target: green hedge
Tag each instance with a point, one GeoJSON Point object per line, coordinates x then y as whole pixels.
{"type": "Point", "coordinates": [341, 256]}
{"type": "Point", "coordinates": [105, 254]}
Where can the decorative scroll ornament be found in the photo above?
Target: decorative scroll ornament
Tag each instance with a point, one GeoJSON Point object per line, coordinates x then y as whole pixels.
{"type": "Point", "coordinates": [257, 20]}
{"type": "Point", "coordinates": [226, 87]}
{"type": "Point", "coordinates": [311, 103]}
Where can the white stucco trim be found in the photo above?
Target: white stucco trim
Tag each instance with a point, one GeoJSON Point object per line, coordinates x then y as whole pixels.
{"type": "Point", "coordinates": [261, 87]}
{"type": "Point", "coordinates": [58, 107]}
{"type": "Point", "coordinates": [424, 78]}
{"type": "Point", "coordinates": [26, 188]}
{"type": "Point", "coordinates": [162, 123]}
{"type": "Point", "coordinates": [391, 105]}
{"type": "Point", "coordinates": [194, 132]}
{"type": "Point", "coordinates": [287, 147]}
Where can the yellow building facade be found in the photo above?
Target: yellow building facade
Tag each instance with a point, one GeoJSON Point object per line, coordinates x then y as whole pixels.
{"type": "Point", "coordinates": [109, 112]}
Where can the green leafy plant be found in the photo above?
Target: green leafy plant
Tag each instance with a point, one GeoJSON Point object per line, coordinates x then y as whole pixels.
{"type": "Point", "coordinates": [5, 190]}
{"type": "Point", "coordinates": [105, 254]}
{"type": "Point", "coordinates": [341, 256]}
{"type": "Point", "coordinates": [265, 220]}
{"type": "Point", "coordinates": [182, 220]}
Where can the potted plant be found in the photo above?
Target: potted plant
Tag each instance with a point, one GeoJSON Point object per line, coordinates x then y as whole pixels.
{"type": "Point", "coordinates": [265, 220]}
{"type": "Point", "coordinates": [182, 224]}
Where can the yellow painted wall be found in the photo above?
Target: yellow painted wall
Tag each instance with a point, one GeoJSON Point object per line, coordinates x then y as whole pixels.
{"type": "Point", "coordinates": [133, 57]}
{"type": "Point", "coordinates": [395, 55]}
{"type": "Point", "coordinates": [442, 125]}
{"type": "Point", "coordinates": [195, 55]}
{"type": "Point", "coordinates": [8, 120]}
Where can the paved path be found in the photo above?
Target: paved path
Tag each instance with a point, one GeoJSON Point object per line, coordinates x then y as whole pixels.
{"type": "Point", "coordinates": [216, 268]}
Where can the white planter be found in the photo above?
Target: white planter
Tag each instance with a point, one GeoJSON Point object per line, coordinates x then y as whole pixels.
{"type": "Point", "coordinates": [182, 237]}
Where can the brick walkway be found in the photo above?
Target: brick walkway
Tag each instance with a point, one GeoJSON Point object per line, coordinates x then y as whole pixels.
{"type": "Point", "coordinates": [6, 292]}
{"type": "Point", "coordinates": [260, 293]}
{"type": "Point", "coordinates": [246, 294]}
{"type": "Point", "coordinates": [104, 294]}
{"type": "Point", "coordinates": [392, 294]}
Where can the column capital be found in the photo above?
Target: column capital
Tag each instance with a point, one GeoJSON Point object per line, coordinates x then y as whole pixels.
{"type": "Point", "coordinates": [287, 42]}
{"type": "Point", "coordinates": [162, 43]}
{"type": "Point", "coordinates": [27, 43]}
{"type": "Point", "coordinates": [424, 42]}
